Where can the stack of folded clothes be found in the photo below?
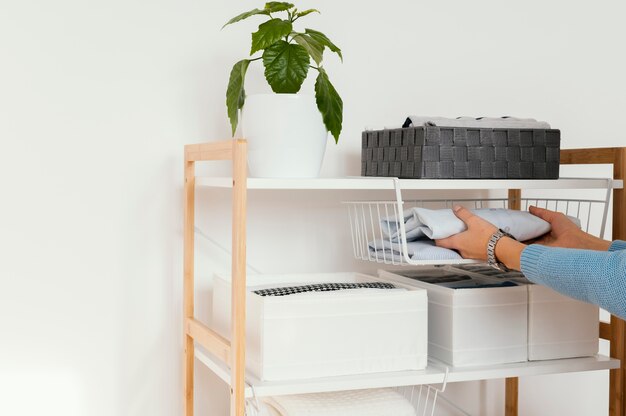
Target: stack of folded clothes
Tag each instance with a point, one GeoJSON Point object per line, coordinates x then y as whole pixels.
{"type": "Point", "coordinates": [505, 122]}
{"type": "Point", "coordinates": [423, 226]}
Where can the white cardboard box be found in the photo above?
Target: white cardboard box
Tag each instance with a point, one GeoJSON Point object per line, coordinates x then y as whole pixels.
{"type": "Point", "coordinates": [328, 333]}
{"type": "Point", "coordinates": [560, 327]}
{"type": "Point", "coordinates": [468, 327]}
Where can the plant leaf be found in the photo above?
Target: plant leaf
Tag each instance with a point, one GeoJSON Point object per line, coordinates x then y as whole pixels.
{"type": "Point", "coordinates": [329, 103]}
{"type": "Point", "coordinates": [277, 6]}
{"type": "Point", "coordinates": [286, 66]}
{"type": "Point", "coordinates": [268, 33]}
{"type": "Point", "coordinates": [235, 94]}
{"type": "Point", "coordinates": [323, 39]}
{"type": "Point", "coordinates": [313, 47]}
{"type": "Point", "coordinates": [305, 12]}
{"type": "Point", "coordinates": [245, 15]}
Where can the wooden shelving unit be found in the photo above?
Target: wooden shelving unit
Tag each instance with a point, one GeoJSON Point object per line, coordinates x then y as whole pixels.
{"type": "Point", "coordinates": [227, 359]}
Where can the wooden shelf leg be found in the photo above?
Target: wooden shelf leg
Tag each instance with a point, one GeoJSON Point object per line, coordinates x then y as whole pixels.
{"type": "Point", "coordinates": [617, 378]}
{"type": "Point", "coordinates": [238, 318]}
{"type": "Point", "coordinates": [188, 283]}
{"type": "Point", "coordinates": [515, 199]}
{"type": "Point", "coordinates": [188, 362]}
{"type": "Point", "coordinates": [511, 391]}
{"type": "Point", "coordinates": [511, 385]}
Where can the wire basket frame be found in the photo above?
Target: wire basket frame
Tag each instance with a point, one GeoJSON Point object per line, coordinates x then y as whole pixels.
{"type": "Point", "coordinates": [371, 222]}
{"type": "Point", "coordinates": [424, 397]}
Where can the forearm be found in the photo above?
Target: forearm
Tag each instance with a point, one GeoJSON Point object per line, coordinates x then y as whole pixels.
{"type": "Point", "coordinates": [597, 277]}
{"type": "Point", "coordinates": [509, 251]}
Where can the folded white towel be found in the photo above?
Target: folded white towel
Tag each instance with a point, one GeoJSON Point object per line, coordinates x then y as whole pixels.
{"type": "Point", "coordinates": [378, 402]}
{"type": "Point", "coordinates": [482, 122]}
{"type": "Point", "coordinates": [442, 223]}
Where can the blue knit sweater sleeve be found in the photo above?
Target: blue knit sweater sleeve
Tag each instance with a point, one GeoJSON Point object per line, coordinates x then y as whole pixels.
{"type": "Point", "coordinates": [597, 277]}
{"type": "Point", "coordinates": [618, 245]}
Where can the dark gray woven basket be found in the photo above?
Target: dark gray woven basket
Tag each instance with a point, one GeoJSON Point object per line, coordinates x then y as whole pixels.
{"type": "Point", "coordinates": [461, 153]}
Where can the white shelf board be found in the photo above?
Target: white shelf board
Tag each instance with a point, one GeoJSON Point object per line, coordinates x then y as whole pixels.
{"type": "Point", "coordinates": [433, 374]}
{"type": "Point", "coordinates": [375, 183]}
{"type": "Point", "coordinates": [533, 368]}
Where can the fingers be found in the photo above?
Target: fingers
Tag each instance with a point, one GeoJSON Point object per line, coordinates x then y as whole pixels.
{"type": "Point", "coordinates": [463, 214]}
{"type": "Point", "coordinates": [544, 214]}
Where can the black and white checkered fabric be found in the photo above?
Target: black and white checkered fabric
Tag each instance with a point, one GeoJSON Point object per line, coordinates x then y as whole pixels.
{"type": "Point", "coordinates": [321, 287]}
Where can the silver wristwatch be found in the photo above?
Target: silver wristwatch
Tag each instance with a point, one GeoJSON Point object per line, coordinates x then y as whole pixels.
{"type": "Point", "coordinates": [491, 250]}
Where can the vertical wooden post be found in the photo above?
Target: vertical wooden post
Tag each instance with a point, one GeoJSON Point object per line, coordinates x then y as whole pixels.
{"type": "Point", "coordinates": [188, 282]}
{"type": "Point", "coordinates": [238, 312]}
{"type": "Point", "coordinates": [511, 385]}
{"type": "Point", "coordinates": [515, 199]}
{"type": "Point", "coordinates": [511, 393]}
{"type": "Point", "coordinates": [617, 377]}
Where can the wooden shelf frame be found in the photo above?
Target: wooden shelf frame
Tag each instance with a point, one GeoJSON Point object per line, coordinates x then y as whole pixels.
{"type": "Point", "coordinates": [615, 330]}
{"type": "Point", "coordinates": [232, 354]}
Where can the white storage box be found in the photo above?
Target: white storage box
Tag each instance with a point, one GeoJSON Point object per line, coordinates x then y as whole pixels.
{"type": "Point", "coordinates": [468, 327]}
{"type": "Point", "coordinates": [325, 334]}
{"type": "Point", "coordinates": [560, 327]}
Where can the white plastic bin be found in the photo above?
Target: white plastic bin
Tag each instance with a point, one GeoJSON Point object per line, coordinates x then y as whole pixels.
{"type": "Point", "coordinates": [327, 333]}
{"type": "Point", "coordinates": [560, 327]}
{"type": "Point", "coordinates": [470, 327]}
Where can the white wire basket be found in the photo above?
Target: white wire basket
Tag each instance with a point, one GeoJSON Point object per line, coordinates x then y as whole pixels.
{"type": "Point", "coordinates": [372, 222]}
{"type": "Point", "coordinates": [424, 397]}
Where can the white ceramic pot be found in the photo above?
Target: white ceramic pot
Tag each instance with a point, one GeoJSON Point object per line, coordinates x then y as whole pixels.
{"type": "Point", "coordinates": [286, 135]}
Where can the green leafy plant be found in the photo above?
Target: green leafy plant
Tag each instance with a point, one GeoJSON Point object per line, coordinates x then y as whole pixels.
{"type": "Point", "coordinates": [286, 56]}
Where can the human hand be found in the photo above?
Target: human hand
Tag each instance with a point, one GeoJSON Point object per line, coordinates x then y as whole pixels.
{"type": "Point", "coordinates": [472, 243]}
{"type": "Point", "coordinates": [564, 233]}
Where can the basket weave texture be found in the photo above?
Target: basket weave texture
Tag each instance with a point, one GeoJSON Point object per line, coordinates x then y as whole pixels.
{"type": "Point", "coordinates": [459, 153]}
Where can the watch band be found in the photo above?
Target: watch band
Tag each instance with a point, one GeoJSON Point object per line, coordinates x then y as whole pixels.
{"type": "Point", "coordinates": [491, 250]}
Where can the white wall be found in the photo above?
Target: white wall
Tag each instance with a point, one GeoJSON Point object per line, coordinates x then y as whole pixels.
{"type": "Point", "coordinates": [97, 99]}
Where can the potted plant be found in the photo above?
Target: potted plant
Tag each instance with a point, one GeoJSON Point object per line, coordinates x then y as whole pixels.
{"type": "Point", "coordinates": [286, 131]}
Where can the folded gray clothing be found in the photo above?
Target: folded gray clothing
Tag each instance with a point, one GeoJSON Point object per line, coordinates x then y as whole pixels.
{"type": "Point", "coordinates": [417, 250]}
{"type": "Point", "coordinates": [420, 223]}
{"type": "Point", "coordinates": [480, 122]}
